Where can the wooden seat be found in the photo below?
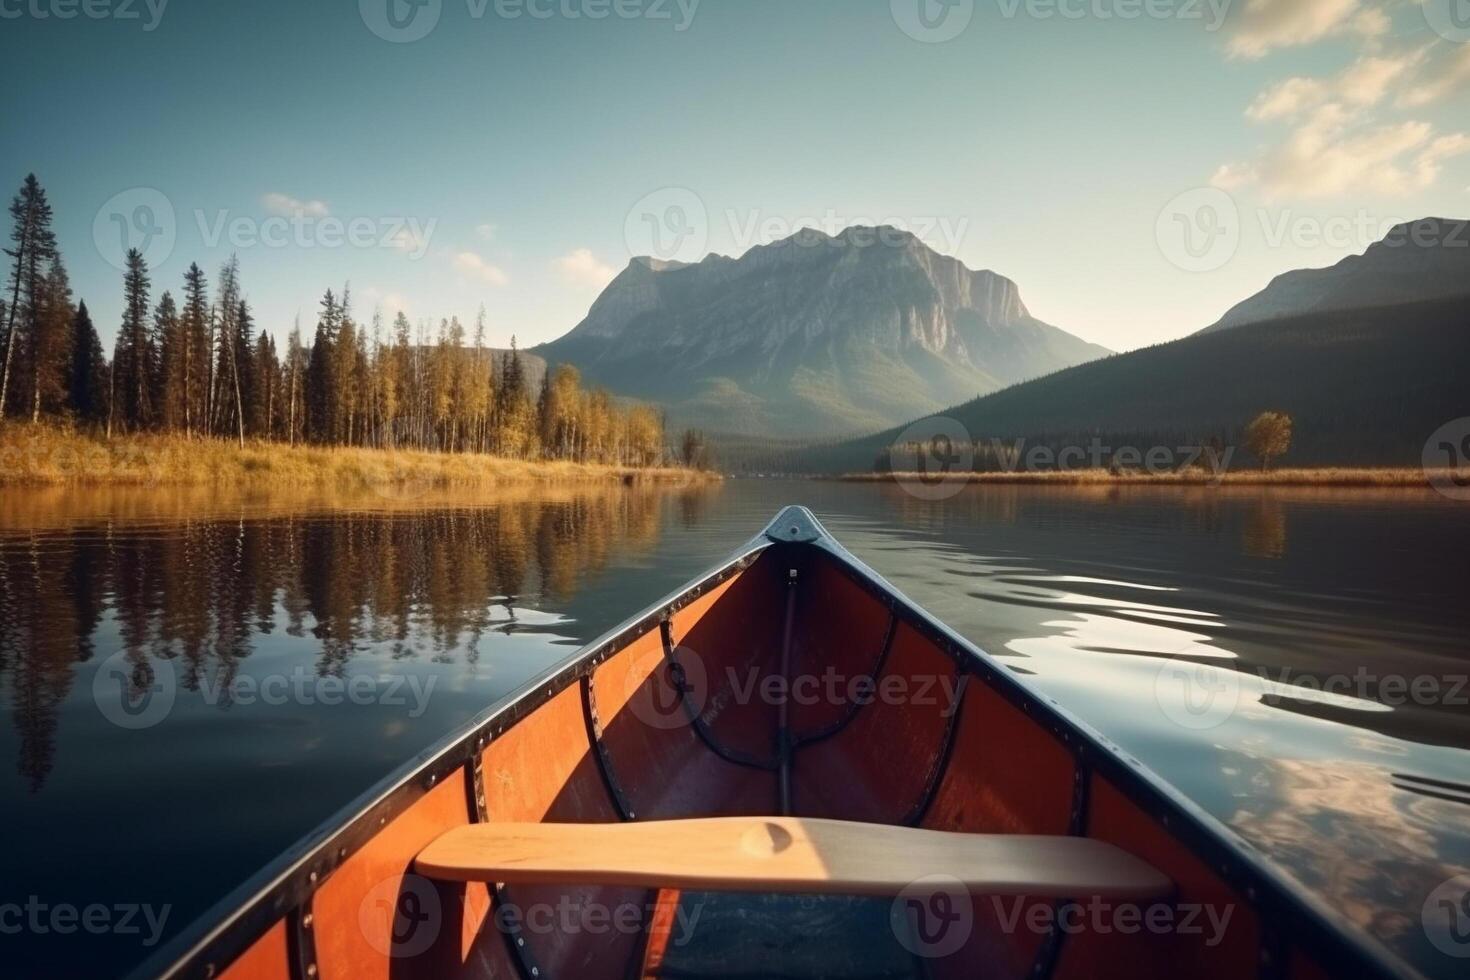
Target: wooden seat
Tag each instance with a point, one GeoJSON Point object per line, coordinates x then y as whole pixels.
{"type": "Point", "coordinates": [787, 855]}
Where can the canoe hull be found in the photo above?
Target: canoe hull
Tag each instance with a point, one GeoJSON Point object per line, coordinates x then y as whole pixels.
{"type": "Point", "coordinates": [662, 720]}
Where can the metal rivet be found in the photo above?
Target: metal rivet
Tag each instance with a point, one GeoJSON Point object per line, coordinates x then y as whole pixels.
{"type": "Point", "coordinates": [306, 921]}
{"type": "Point", "coordinates": [311, 969]}
{"type": "Point", "coordinates": [312, 877]}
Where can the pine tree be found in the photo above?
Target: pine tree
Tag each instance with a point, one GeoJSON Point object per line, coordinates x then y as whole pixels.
{"type": "Point", "coordinates": [168, 383]}
{"type": "Point", "coordinates": [134, 356]}
{"type": "Point", "coordinates": [265, 380]}
{"type": "Point", "coordinates": [195, 329]}
{"type": "Point", "coordinates": [86, 381]}
{"type": "Point", "coordinates": [33, 245]}
{"type": "Point", "coordinates": [227, 415]}
{"type": "Point", "coordinates": [50, 344]}
{"type": "Point", "coordinates": [295, 369]}
{"type": "Point", "coordinates": [321, 389]}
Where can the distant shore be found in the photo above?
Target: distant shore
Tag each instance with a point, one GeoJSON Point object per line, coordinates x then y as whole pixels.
{"type": "Point", "coordinates": [49, 455]}
{"type": "Point", "coordinates": [1373, 477]}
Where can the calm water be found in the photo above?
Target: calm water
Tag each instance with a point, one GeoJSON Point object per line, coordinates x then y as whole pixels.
{"type": "Point", "coordinates": [1105, 599]}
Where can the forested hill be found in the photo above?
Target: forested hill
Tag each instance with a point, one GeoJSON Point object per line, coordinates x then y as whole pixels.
{"type": "Point", "coordinates": [1365, 387]}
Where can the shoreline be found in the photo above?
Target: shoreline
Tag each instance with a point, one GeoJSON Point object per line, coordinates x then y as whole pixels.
{"type": "Point", "coordinates": [50, 456]}
{"type": "Point", "coordinates": [1377, 478]}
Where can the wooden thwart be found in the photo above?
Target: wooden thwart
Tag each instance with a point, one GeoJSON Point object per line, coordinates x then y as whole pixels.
{"type": "Point", "coordinates": [789, 855]}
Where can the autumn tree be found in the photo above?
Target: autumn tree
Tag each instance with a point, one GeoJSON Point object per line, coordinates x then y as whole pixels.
{"type": "Point", "coordinates": [1269, 436]}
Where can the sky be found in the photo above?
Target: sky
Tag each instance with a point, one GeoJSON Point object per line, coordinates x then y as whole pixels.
{"type": "Point", "coordinates": [1137, 166]}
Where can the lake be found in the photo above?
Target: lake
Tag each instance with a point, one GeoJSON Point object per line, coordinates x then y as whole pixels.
{"type": "Point", "coordinates": [310, 647]}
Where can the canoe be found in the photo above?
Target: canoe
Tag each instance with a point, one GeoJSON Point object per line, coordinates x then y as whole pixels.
{"type": "Point", "coordinates": [786, 769]}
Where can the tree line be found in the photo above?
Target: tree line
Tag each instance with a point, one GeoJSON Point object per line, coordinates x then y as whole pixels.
{"type": "Point", "coordinates": [199, 365]}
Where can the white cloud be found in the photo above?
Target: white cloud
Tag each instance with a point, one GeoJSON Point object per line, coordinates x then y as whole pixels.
{"type": "Point", "coordinates": [1339, 141]}
{"type": "Point", "coordinates": [1265, 25]}
{"type": "Point", "coordinates": [1363, 84]}
{"type": "Point", "coordinates": [581, 268]}
{"type": "Point", "coordinates": [1427, 167]}
{"type": "Point", "coordinates": [474, 265]}
{"type": "Point", "coordinates": [289, 207]}
{"type": "Point", "coordinates": [1232, 176]}
{"type": "Point", "coordinates": [1449, 77]}
{"type": "Point", "coordinates": [390, 303]}
{"type": "Point", "coordinates": [1288, 98]}
{"type": "Point", "coordinates": [1328, 155]}
{"type": "Point", "coordinates": [486, 232]}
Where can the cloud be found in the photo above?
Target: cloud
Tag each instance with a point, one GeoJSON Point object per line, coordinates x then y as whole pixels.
{"type": "Point", "coordinates": [474, 265]}
{"type": "Point", "coordinates": [1342, 138]}
{"type": "Point", "coordinates": [581, 268]}
{"type": "Point", "coordinates": [289, 207]}
{"type": "Point", "coordinates": [1449, 77]}
{"type": "Point", "coordinates": [390, 303]}
{"type": "Point", "coordinates": [486, 233]}
{"type": "Point", "coordinates": [1364, 83]}
{"type": "Point", "coordinates": [1331, 154]}
{"type": "Point", "coordinates": [1265, 25]}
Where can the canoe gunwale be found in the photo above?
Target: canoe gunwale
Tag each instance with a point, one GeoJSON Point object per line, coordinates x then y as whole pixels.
{"type": "Point", "coordinates": [235, 922]}
{"type": "Point", "coordinates": [1283, 907]}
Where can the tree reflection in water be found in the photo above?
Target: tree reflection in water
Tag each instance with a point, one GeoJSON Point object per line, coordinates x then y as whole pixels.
{"type": "Point", "coordinates": [200, 592]}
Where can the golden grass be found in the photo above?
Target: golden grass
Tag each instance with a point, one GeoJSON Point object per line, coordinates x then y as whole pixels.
{"type": "Point", "coordinates": [51, 455]}
{"type": "Point", "coordinates": [1385, 477]}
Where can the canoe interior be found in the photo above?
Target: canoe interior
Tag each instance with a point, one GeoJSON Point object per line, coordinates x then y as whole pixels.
{"type": "Point", "coordinates": [605, 739]}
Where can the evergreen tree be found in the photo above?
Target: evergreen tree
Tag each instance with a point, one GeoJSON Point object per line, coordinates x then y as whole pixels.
{"type": "Point", "coordinates": [321, 388]}
{"type": "Point", "coordinates": [265, 382]}
{"type": "Point", "coordinates": [168, 381]}
{"type": "Point", "coordinates": [50, 343]}
{"type": "Point", "coordinates": [195, 353]}
{"type": "Point", "coordinates": [132, 364]}
{"type": "Point", "coordinates": [86, 382]}
{"type": "Point", "coordinates": [33, 245]}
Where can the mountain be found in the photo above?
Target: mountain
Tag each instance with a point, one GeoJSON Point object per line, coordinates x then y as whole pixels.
{"type": "Point", "coordinates": [812, 336]}
{"type": "Point", "coordinates": [1421, 260]}
{"type": "Point", "coordinates": [1365, 387]}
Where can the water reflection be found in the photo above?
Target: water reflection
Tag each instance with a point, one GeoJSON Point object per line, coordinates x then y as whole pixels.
{"type": "Point", "coordinates": [203, 595]}
{"type": "Point", "coordinates": [1095, 593]}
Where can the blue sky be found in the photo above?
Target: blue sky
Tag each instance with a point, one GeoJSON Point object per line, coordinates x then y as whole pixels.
{"type": "Point", "coordinates": [516, 160]}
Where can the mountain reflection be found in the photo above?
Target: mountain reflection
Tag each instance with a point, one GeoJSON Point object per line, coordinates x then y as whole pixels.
{"type": "Point", "coordinates": [201, 593]}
